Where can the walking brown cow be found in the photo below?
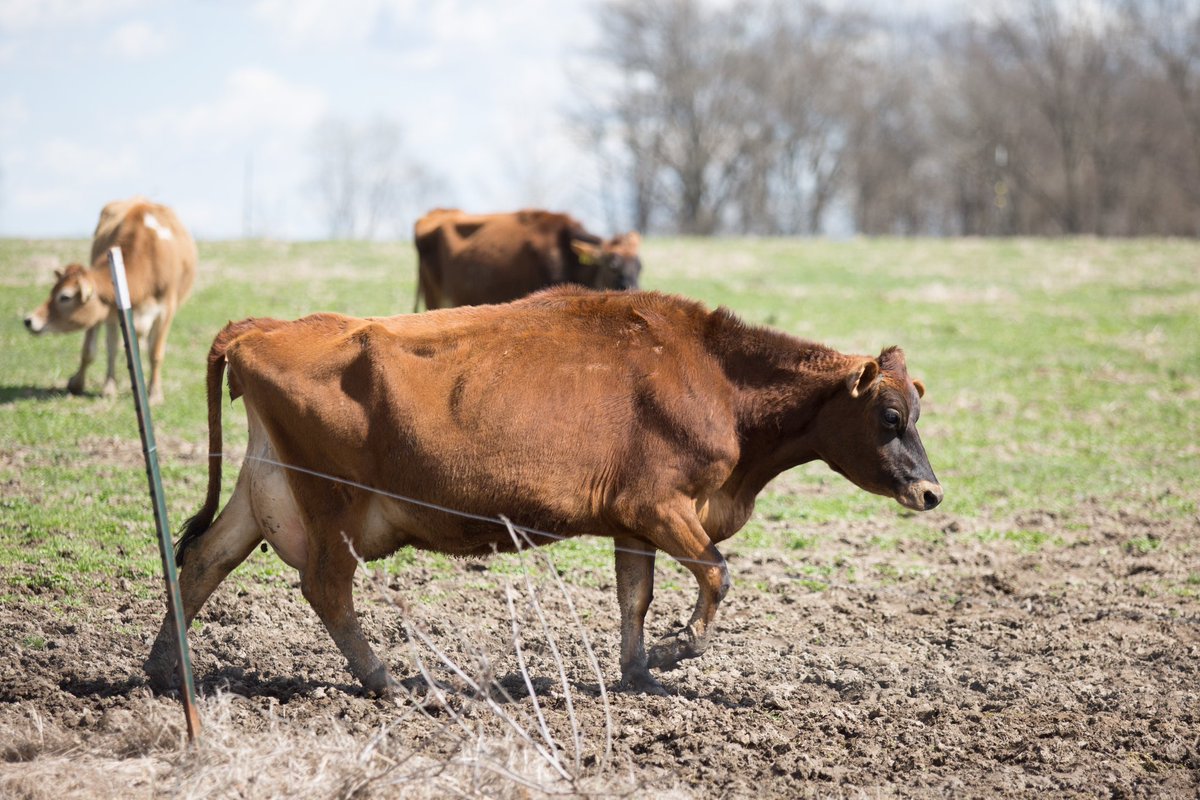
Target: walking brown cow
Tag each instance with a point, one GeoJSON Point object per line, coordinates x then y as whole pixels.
{"type": "Point", "coordinates": [160, 263]}
{"type": "Point", "coordinates": [475, 259]}
{"type": "Point", "coordinates": [638, 416]}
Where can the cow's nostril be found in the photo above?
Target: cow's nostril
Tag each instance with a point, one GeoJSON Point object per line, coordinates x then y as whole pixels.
{"type": "Point", "coordinates": [931, 499]}
{"type": "Point", "coordinates": [29, 323]}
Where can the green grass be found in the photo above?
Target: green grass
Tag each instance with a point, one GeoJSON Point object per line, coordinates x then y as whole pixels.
{"type": "Point", "coordinates": [1059, 373]}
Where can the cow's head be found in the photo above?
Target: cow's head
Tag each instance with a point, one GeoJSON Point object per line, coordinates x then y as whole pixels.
{"type": "Point", "coordinates": [615, 261]}
{"type": "Point", "coordinates": [868, 432]}
{"type": "Point", "coordinates": [73, 304]}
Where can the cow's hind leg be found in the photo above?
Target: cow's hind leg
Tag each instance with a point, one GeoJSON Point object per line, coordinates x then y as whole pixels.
{"type": "Point", "coordinates": [158, 348]}
{"type": "Point", "coordinates": [206, 562]}
{"type": "Point", "coordinates": [684, 538]}
{"type": "Point", "coordinates": [327, 582]}
{"type": "Point", "coordinates": [635, 590]}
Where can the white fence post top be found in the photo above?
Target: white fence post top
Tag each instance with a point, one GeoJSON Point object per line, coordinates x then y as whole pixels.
{"type": "Point", "coordinates": [117, 264]}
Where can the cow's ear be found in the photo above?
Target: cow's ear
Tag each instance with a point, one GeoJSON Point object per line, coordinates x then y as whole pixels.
{"type": "Point", "coordinates": [585, 251]}
{"type": "Point", "coordinates": [58, 273]}
{"type": "Point", "coordinates": [920, 387]}
{"type": "Point", "coordinates": [861, 379]}
{"type": "Point", "coordinates": [85, 290]}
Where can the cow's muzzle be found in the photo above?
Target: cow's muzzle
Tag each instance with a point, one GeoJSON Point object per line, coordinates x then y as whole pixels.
{"type": "Point", "coordinates": [34, 325]}
{"type": "Point", "coordinates": [920, 495]}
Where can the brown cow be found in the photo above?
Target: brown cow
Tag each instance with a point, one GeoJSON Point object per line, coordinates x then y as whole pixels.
{"type": "Point", "coordinates": [639, 416]}
{"type": "Point", "coordinates": [476, 259]}
{"type": "Point", "coordinates": [160, 263]}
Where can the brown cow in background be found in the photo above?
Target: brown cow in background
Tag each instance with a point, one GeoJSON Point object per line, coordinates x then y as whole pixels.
{"type": "Point", "coordinates": [160, 264]}
{"type": "Point", "coordinates": [476, 259]}
{"type": "Point", "coordinates": [638, 416]}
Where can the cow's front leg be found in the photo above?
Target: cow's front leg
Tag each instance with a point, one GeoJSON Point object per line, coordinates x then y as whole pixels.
{"type": "Point", "coordinates": [688, 543]}
{"type": "Point", "coordinates": [327, 583]}
{"type": "Point", "coordinates": [78, 380]}
{"type": "Point", "coordinates": [635, 590]}
{"type": "Point", "coordinates": [112, 341]}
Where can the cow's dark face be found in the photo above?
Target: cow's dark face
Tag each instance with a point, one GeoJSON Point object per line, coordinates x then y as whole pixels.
{"type": "Point", "coordinates": [868, 433]}
{"type": "Point", "coordinates": [73, 304]}
{"type": "Point", "coordinates": [615, 261]}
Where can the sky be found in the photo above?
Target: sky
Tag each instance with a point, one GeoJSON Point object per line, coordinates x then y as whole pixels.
{"type": "Point", "coordinates": [190, 102]}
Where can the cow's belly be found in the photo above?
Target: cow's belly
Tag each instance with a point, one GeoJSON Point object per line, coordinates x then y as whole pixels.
{"type": "Point", "coordinates": [145, 315]}
{"type": "Point", "coordinates": [272, 503]}
{"type": "Point", "coordinates": [387, 525]}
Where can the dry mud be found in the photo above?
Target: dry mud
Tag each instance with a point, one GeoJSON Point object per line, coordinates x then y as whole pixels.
{"type": "Point", "coordinates": [961, 666]}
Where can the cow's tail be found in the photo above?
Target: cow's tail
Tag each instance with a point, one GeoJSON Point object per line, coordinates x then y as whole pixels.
{"type": "Point", "coordinates": [200, 522]}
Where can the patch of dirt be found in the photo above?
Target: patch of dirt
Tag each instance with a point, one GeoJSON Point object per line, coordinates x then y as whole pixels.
{"type": "Point", "coordinates": [951, 665]}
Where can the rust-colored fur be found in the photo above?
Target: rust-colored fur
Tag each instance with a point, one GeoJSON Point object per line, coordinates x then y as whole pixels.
{"type": "Point", "coordinates": [638, 416]}
{"type": "Point", "coordinates": [475, 259]}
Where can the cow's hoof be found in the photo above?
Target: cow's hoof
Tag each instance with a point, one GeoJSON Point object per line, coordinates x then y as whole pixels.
{"type": "Point", "coordinates": [380, 684]}
{"type": "Point", "coordinates": [162, 681]}
{"type": "Point", "coordinates": [641, 683]}
{"type": "Point", "coordinates": [110, 390]}
{"type": "Point", "coordinates": [668, 651]}
{"type": "Point", "coordinates": [75, 386]}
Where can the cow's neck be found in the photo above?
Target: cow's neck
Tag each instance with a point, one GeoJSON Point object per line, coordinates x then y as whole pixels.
{"type": "Point", "coordinates": [780, 384]}
{"type": "Point", "coordinates": [101, 277]}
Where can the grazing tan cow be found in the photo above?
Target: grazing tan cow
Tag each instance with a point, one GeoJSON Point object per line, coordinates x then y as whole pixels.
{"type": "Point", "coordinates": [160, 263]}
{"type": "Point", "coordinates": [639, 416]}
{"type": "Point", "coordinates": [475, 259]}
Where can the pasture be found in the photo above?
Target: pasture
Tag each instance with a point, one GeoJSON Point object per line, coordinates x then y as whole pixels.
{"type": "Point", "coordinates": [1036, 635]}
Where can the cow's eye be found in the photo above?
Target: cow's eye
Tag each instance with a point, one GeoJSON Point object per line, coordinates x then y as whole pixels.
{"type": "Point", "coordinates": [65, 298]}
{"type": "Point", "coordinates": [891, 417]}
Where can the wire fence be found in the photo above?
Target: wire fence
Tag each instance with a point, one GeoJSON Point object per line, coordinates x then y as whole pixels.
{"type": "Point", "coordinates": [104, 450]}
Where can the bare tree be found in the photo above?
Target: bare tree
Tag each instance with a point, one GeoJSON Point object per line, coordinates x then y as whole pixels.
{"type": "Point", "coordinates": [680, 110]}
{"type": "Point", "coordinates": [807, 67]}
{"type": "Point", "coordinates": [1049, 117]}
{"type": "Point", "coordinates": [362, 179]}
{"type": "Point", "coordinates": [1170, 33]}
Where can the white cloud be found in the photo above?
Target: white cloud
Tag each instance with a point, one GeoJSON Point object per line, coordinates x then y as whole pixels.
{"type": "Point", "coordinates": [302, 22]}
{"type": "Point", "coordinates": [82, 162]}
{"type": "Point", "coordinates": [27, 15]}
{"type": "Point", "coordinates": [254, 102]}
{"type": "Point", "coordinates": [409, 24]}
{"type": "Point", "coordinates": [137, 40]}
{"type": "Point", "coordinates": [14, 113]}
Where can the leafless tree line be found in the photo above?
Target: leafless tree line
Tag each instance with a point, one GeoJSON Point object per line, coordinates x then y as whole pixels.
{"type": "Point", "coordinates": [772, 117]}
{"type": "Point", "coordinates": [363, 182]}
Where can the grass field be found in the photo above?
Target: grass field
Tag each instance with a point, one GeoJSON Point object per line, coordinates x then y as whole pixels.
{"type": "Point", "coordinates": [1061, 374]}
{"type": "Point", "coordinates": [1062, 417]}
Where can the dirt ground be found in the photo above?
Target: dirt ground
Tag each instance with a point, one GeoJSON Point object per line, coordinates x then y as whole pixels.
{"type": "Point", "coordinates": [957, 667]}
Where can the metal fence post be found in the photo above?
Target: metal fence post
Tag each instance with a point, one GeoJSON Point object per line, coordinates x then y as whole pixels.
{"type": "Point", "coordinates": [174, 602]}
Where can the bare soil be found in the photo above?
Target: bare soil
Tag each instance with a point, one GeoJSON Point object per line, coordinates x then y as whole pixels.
{"type": "Point", "coordinates": [962, 666]}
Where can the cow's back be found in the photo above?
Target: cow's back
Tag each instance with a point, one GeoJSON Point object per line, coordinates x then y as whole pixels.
{"type": "Point", "coordinates": [159, 253]}
{"type": "Point", "coordinates": [476, 259]}
{"type": "Point", "coordinates": [519, 405]}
